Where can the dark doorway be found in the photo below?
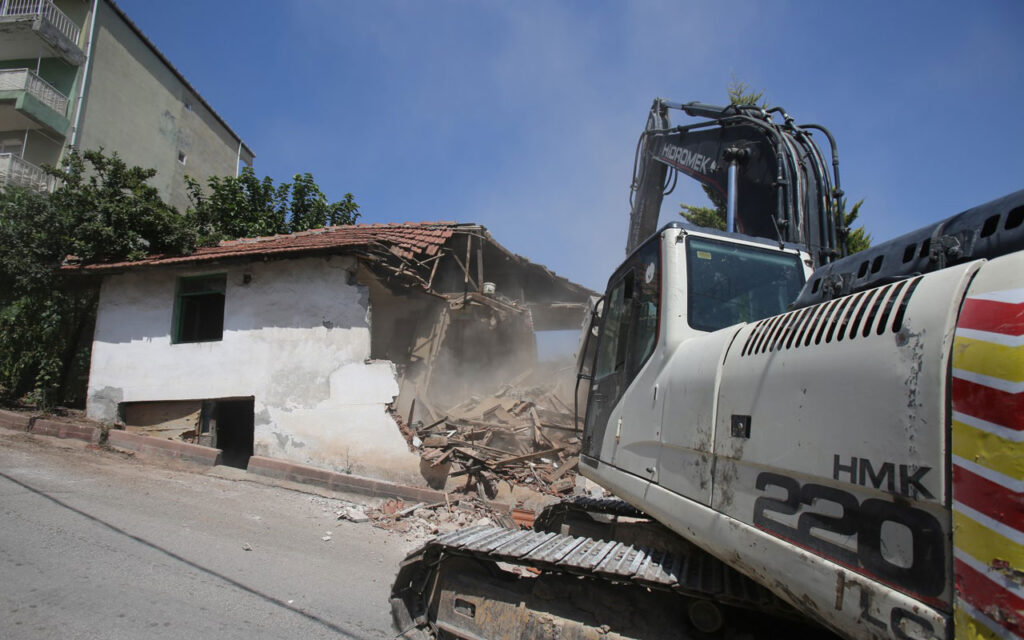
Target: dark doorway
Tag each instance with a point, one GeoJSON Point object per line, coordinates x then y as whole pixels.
{"type": "Point", "coordinates": [234, 420]}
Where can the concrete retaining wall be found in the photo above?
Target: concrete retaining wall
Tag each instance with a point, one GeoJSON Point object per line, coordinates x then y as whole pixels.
{"type": "Point", "coordinates": [13, 420]}
{"type": "Point", "coordinates": [43, 427]}
{"type": "Point", "coordinates": [65, 430]}
{"type": "Point", "coordinates": [168, 448]}
{"type": "Point", "coordinates": [284, 470]}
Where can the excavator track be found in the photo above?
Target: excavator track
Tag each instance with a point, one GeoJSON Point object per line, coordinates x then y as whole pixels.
{"type": "Point", "coordinates": [605, 506]}
{"type": "Point", "coordinates": [493, 582]}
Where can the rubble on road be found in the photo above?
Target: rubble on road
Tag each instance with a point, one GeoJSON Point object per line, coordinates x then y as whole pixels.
{"type": "Point", "coordinates": [420, 520]}
{"type": "Point", "coordinates": [500, 458]}
{"type": "Point", "coordinates": [353, 514]}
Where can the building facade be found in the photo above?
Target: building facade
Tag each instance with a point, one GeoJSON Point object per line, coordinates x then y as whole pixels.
{"type": "Point", "coordinates": [307, 347]}
{"type": "Point", "coordinates": [80, 74]}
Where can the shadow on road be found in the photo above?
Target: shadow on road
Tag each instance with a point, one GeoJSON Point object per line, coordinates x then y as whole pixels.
{"type": "Point", "coordinates": [171, 554]}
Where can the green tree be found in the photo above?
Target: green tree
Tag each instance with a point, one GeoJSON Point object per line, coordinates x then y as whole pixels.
{"type": "Point", "coordinates": [241, 206]}
{"type": "Point", "coordinates": [113, 212]}
{"type": "Point", "coordinates": [311, 210]}
{"type": "Point", "coordinates": [858, 239]}
{"type": "Point", "coordinates": [714, 217]}
{"type": "Point", "coordinates": [740, 93]}
{"type": "Point", "coordinates": [707, 217]}
{"type": "Point", "coordinates": [101, 210]}
{"type": "Point", "coordinates": [245, 206]}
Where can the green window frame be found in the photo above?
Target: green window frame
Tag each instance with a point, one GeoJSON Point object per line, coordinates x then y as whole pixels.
{"type": "Point", "coordinates": [199, 309]}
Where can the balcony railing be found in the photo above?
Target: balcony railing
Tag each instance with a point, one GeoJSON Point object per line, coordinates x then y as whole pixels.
{"type": "Point", "coordinates": [45, 9]}
{"type": "Point", "coordinates": [25, 80]}
{"type": "Point", "coordinates": [15, 171]}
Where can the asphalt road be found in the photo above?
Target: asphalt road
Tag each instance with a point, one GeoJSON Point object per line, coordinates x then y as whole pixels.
{"type": "Point", "coordinates": [94, 544]}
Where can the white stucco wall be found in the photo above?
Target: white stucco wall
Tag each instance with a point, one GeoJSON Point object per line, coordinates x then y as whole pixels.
{"type": "Point", "coordinates": [296, 338]}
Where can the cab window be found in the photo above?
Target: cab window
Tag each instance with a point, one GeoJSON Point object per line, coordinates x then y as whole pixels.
{"type": "Point", "coordinates": [630, 328]}
{"type": "Point", "coordinates": [613, 343]}
{"type": "Point", "coordinates": [645, 317]}
{"type": "Point", "coordinates": [729, 283]}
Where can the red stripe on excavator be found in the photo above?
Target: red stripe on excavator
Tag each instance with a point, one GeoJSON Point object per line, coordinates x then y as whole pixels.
{"type": "Point", "coordinates": [992, 405]}
{"type": "Point", "coordinates": [989, 315]}
{"type": "Point", "coordinates": [999, 604]}
{"type": "Point", "coordinates": [987, 497]}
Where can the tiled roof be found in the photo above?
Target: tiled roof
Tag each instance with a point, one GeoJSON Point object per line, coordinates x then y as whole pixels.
{"type": "Point", "coordinates": [407, 240]}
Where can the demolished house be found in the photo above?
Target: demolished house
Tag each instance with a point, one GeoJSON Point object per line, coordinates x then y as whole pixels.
{"type": "Point", "coordinates": [341, 348]}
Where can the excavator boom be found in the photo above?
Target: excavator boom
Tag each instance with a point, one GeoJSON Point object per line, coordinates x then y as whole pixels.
{"type": "Point", "coordinates": [771, 176]}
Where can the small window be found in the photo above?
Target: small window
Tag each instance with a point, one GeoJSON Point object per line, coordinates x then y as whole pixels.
{"type": "Point", "coordinates": [199, 309]}
{"type": "Point", "coordinates": [182, 157]}
{"type": "Point", "coordinates": [12, 146]}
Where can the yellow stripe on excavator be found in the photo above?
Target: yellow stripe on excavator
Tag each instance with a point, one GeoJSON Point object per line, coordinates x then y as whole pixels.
{"type": "Point", "coordinates": [989, 359]}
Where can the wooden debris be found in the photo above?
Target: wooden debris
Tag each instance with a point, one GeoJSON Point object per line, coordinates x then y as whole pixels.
{"type": "Point", "coordinates": [520, 435]}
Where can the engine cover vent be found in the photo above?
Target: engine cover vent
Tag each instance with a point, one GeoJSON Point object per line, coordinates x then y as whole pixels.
{"type": "Point", "coordinates": [847, 318]}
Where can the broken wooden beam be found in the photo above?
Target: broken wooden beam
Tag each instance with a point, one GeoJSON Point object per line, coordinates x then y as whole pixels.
{"type": "Point", "coordinates": [524, 458]}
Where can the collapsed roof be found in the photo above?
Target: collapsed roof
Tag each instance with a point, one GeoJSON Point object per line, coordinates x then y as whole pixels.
{"type": "Point", "coordinates": [460, 262]}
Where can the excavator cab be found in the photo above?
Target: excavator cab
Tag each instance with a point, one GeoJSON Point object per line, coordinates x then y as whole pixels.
{"type": "Point", "coordinates": [708, 278]}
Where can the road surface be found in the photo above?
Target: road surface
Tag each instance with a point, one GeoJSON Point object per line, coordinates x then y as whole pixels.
{"type": "Point", "coordinates": [96, 544]}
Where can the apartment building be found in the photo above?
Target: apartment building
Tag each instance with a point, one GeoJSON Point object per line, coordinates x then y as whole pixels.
{"type": "Point", "coordinates": [80, 74]}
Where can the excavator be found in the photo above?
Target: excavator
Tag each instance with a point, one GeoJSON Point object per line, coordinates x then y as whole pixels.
{"type": "Point", "coordinates": [797, 442]}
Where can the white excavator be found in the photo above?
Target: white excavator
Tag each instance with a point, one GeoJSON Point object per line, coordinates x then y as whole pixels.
{"type": "Point", "coordinates": [798, 443]}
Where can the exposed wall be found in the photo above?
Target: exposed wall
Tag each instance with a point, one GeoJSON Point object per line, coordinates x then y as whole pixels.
{"type": "Point", "coordinates": [443, 354]}
{"type": "Point", "coordinates": [164, 419]}
{"type": "Point", "coordinates": [296, 337]}
{"type": "Point", "coordinates": [135, 105]}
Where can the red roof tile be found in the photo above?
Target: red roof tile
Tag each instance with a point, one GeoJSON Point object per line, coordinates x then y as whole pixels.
{"type": "Point", "coordinates": [405, 240]}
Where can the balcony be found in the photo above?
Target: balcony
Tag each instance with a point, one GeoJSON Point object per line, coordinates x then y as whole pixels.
{"type": "Point", "coordinates": [36, 103]}
{"type": "Point", "coordinates": [17, 172]}
{"type": "Point", "coordinates": [27, 24]}
{"type": "Point", "coordinates": [41, 90]}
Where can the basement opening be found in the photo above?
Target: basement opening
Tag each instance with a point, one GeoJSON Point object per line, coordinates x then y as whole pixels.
{"type": "Point", "coordinates": [231, 424]}
{"type": "Point", "coordinates": [223, 423]}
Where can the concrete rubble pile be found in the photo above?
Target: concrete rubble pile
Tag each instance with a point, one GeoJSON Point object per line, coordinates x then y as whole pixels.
{"type": "Point", "coordinates": [523, 436]}
{"type": "Point", "coordinates": [420, 520]}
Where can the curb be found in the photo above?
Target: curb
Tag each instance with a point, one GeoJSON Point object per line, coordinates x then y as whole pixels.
{"type": "Point", "coordinates": [273, 468]}
{"type": "Point", "coordinates": [208, 456]}
{"type": "Point", "coordinates": [169, 448]}
{"type": "Point", "coordinates": [65, 430]}
{"type": "Point", "coordinates": [15, 421]}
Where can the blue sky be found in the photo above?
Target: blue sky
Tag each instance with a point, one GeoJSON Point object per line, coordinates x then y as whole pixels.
{"type": "Point", "coordinates": [523, 116]}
